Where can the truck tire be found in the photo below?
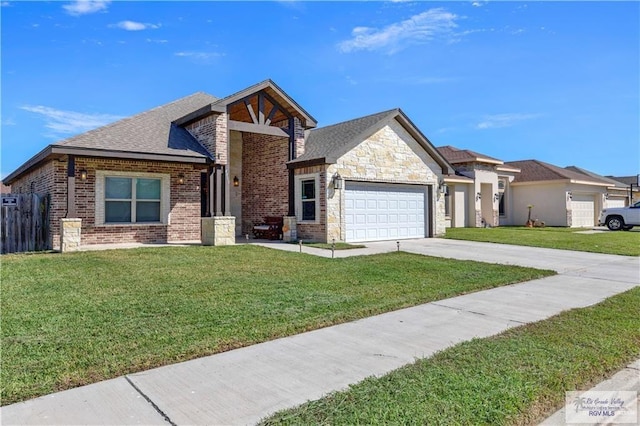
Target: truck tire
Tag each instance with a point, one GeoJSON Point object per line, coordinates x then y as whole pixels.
{"type": "Point", "coordinates": [615, 223]}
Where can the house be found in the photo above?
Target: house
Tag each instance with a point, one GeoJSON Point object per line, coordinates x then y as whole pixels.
{"type": "Point", "coordinates": [209, 169]}
{"type": "Point", "coordinates": [479, 194]}
{"type": "Point", "coordinates": [617, 194]}
{"type": "Point", "coordinates": [632, 185]}
{"type": "Point", "coordinates": [559, 196]}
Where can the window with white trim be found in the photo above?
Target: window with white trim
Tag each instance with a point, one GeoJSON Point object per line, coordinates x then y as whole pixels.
{"type": "Point", "coordinates": [307, 198]}
{"type": "Point", "coordinates": [124, 198]}
{"type": "Point", "coordinates": [131, 200]}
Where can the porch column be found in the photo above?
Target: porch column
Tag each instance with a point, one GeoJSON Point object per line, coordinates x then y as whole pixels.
{"type": "Point", "coordinates": [219, 183]}
{"type": "Point", "coordinates": [71, 186]}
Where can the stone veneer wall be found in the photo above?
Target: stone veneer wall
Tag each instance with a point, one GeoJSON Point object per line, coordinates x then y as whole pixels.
{"type": "Point", "coordinates": [265, 178]}
{"type": "Point", "coordinates": [390, 155]}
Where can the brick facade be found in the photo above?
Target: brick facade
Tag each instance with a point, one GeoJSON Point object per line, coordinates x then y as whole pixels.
{"type": "Point", "coordinates": [265, 178]}
{"type": "Point", "coordinates": [184, 201]}
{"type": "Point", "coordinates": [212, 133]}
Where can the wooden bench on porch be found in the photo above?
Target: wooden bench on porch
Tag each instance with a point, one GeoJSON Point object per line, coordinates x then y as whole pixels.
{"type": "Point", "coordinates": [271, 228]}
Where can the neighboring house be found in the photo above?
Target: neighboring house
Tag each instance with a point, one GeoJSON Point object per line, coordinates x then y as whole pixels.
{"type": "Point", "coordinates": [480, 193]}
{"type": "Point", "coordinates": [559, 196]}
{"type": "Point", "coordinates": [632, 185]}
{"type": "Point", "coordinates": [617, 194]}
{"type": "Point", "coordinates": [209, 169]}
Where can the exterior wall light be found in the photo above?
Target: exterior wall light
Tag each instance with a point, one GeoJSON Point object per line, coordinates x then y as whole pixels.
{"type": "Point", "coordinates": [606, 195]}
{"type": "Point", "coordinates": [338, 182]}
{"type": "Point", "coordinates": [478, 196]}
{"type": "Point", "coordinates": [181, 179]}
{"type": "Point", "coordinates": [496, 196]}
{"type": "Point", "coordinates": [236, 181]}
{"type": "Point", "coordinates": [83, 174]}
{"type": "Point", "coordinates": [443, 188]}
{"type": "Point", "coordinates": [569, 196]}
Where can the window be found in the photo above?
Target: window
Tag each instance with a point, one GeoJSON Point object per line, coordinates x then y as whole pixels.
{"type": "Point", "coordinates": [131, 200]}
{"type": "Point", "coordinates": [308, 196]}
{"type": "Point", "coordinates": [307, 190]}
{"type": "Point", "coordinates": [132, 197]}
{"type": "Point", "coordinates": [501, 209]}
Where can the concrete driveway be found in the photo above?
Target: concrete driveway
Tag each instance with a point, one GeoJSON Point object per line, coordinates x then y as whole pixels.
{"type": "Point", "coordinates": [244, 385]}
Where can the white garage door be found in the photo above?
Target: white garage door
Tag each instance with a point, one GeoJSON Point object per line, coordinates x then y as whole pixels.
{"type": "Point", "coordinates": [615, 202]}
{"type": "Point", "coordinates": [384, 211]}
{"type": "Point", "coordinates": [583, 210]}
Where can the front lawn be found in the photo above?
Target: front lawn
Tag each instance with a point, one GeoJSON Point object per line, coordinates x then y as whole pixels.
{"type": "Point", "coordinates": [517, 377]}
{"type": "Point", "coordinates": [620, 242]}
{"type": "Point", "coordinates": [78, 318]}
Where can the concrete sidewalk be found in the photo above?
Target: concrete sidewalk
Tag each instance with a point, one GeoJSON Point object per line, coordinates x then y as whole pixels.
{"type": "Point", "coordinates": [244, 385]}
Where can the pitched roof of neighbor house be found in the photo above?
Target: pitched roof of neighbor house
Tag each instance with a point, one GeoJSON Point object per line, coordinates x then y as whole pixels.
{"type": "Point", "coordinates": [327, 144]}
{"type": "Point", "coordinates": [585, 172]}
{"type": "Point", "coordinates": [455, 155]}
{"type": "Point", "coordinates": [626, 180]}
{"type": "Point", "coordinates": [539, 171]}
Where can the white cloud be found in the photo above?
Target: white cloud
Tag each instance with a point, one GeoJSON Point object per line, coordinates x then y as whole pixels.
{"type": "Point", "coordinates": [85, 7]}
{"type": "Point", "coordinates": [9, 122]}
{"type": "Point", "coordinates": [418, 29]}
{"type": "Point", "coordinates": [504, 120]}
{"type": "Point", "coordinates": [5, 4]}
{"type": "Point", "coordinates": [150, 40]}
{"type": "Point", "coordinates": [134, 26]}
{"type": "Point", "coordinates": [199, 56]}
{"type": "Point", "coordinates": [61, 122]}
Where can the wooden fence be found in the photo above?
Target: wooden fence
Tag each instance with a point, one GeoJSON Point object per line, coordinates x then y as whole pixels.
{"type": "Point", "coordinates": [24, 223]}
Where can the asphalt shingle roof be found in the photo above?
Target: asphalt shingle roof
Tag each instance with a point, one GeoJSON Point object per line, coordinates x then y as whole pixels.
{"type": "Point", "coordinates": [332, 141]}
{"type": "Point", "coordinates": [149, 132]}
{"type": "Point", "coordinates": [585, 172]}
{"type": "Point", "coordinates": [456, 155]}
{"type": "Point", "coordinates": [535, 171]}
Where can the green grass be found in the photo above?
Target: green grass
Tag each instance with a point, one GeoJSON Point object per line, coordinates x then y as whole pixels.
{"type": "Point", "coordinates": [77, 318]}
{"type": "Point", "coordinates": [621, 242]}
{"type": "Point", "coordinates": [518, 377]}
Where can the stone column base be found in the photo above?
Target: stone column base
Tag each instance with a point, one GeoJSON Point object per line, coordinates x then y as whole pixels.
{"type": "Point", "coordinates": [70, 234]}
{"type": "Point", "coordinates": [289, 229]}
{"type": "Point", "coordinates": [218, 231]}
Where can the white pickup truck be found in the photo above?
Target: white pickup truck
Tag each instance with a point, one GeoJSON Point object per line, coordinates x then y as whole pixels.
{"type": "Point", "coordinates": [618, 218]}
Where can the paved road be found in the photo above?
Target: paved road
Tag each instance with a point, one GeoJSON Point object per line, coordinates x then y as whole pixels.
{"type": "Point", "coordinates": [244, 385]}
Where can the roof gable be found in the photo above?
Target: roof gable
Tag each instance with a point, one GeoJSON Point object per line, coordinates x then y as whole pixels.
{"type": "Point", "coordinates": [327, 144]}
{"type": "Point", "coordinates": [585, 172]}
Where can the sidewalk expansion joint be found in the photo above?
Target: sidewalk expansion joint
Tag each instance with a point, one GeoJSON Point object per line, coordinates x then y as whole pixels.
{"type": "Point", "coordinates": [155, 407]}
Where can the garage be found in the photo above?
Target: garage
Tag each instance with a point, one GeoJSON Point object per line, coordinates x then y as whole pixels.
{"type": "Point", "coordinates": [384, 211]}
{"type": "Point", "coordinates": [615, 202]}
{"type": "Point", "coordinates": [583, 210]}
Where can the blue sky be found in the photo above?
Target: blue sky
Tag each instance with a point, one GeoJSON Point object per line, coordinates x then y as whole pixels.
{"type": "Point", "coordinates": [554, 81]}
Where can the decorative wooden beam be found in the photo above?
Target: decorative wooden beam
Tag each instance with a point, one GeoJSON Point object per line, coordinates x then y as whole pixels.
{"type": "Point", "coordinates": [241, 126]}
{"type": "Point", "coordinates": [251, 113]}
{"type": "Point", "coordinates": [261, 108]}
{"type": "Point", "coordinates": [273, 111]}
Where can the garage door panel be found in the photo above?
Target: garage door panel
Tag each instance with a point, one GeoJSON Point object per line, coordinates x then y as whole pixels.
{"type": "Point", "coordinates": [583, 210]}
{"type": "Point", "coordinates": [384, 211]}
